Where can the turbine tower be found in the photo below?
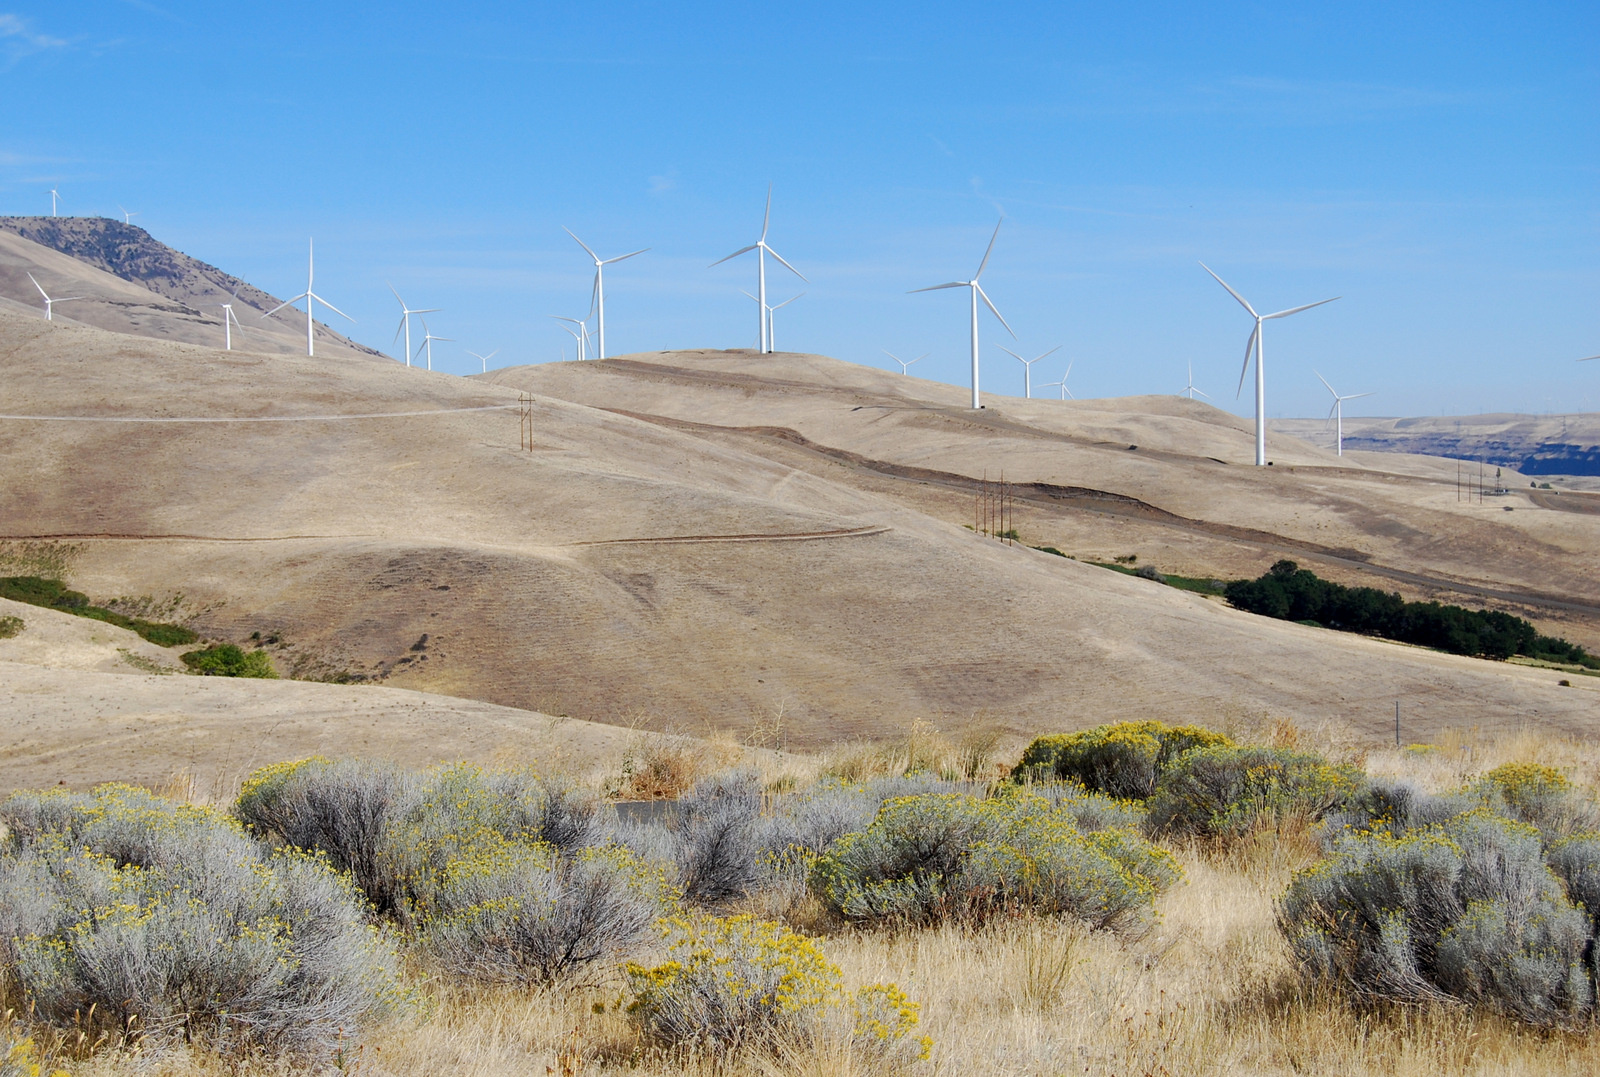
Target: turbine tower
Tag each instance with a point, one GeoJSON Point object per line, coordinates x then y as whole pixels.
{"type": "Point", "coordinates": [905, 364]}
{"type": "Point", "coordinates": [1190, 389]}
{"type": "Point", "coordinates": [1253, 346]}
{"type": "Point", "coordinates": [50, 303]}
{"type": "Point", "coordinates": [53, 198]}
{"type": "Point", "coordinates": [127, 214]}
{"type": "Point", "coordinates": [762, 250]}
{"type": "Point", "coordinates": [229, 320]}
{"type": "Point", "coordinates": [600, 289]}
{"type": "Point", "coordinates": [1027, 369]}
{"type": "Point", "coordinates": [427, 342]}
{"type": "Point", "coordinates": [484, 359]}
{"type": "Point", "coordinates": [977, 291]}
{"type": "Point", "coordinates": [405, 321]}
{"type": "Point", "coordinates": [311, 298]}
{"type": "Point", "coordinates": [1336, 414]}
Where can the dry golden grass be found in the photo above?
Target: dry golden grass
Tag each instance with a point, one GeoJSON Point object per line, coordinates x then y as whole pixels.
{"type": "Point", "coordinates": [1210, 989]}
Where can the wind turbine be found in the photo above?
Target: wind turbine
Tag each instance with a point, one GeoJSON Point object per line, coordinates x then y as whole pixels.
{"type": "Point", "coordinates": [1254, 345]}
{"type": "Point", "coordinates": [484, 359]}
{"type": "Point", "coordinates": [905, 364]}
{"type": "Point", "coordinates": [577, 347]}
{"type": "Point", "coordinates": [48, 302]}
{"type": "Point", "coordinates": [1336, 413]}
{"type": "Point", "coordinates": [977, 291]}
{"type": "Point", "coordinates": [53, 197]}
{"type": "Point", "coordinates": [229, 320]}
{"type": "Point", "coordinates": [1065, 392]}
{"type": "Point", "coordinates": [427, 342]}
{"type": "Point", "coordinates": [762, 250]}
{"type": "Point", "coordinates": [772, 344]}
{"type": "Point", "coordinates": [1027, 369]}
{"type": "Point", "coordinates": [580, 334]}
{"type": "Point", "coordinates": [1190, 388]}
{"type": "Point", "coordinates": [600, 289]}
{"type": "Point", "coordinates": [311, 298]}
{"type": "Point", "coordinates": [127, 215]}
{"type": "Point", "coordinates": [405, 320]}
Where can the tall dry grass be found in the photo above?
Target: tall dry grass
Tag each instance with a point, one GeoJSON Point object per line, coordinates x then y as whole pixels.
{"type": "Point", "coordinates": [1210, 989]}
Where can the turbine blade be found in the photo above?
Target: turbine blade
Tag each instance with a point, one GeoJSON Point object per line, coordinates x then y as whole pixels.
{"type": "Point", "coordinates": [1357, 396]}
{"type": "Point", "coordinates": [786, 265]}
{"type": "Point", "coordinates": [989, 251]}
{"type": "Point", "coordinates": [1324, 382]}
{"type": "Point", "coordinates": [330, 306]}
{"type": "Point", "coordinates": [766, 219]}
{"type": "Point", "coordinates": [1231, 292]}
{"type": "Point", "coordinates": [285, 303]}
{"type": "Point", "coordinates": [887, 352]}
{"type": "Point", "coordinates": [621, 257]}
{"type": "Point", "coordinates": [402, 302]}
{"type": "Point", "coordinates": [1202, 392]}
{"type": "Point", "coordinates": [400, 329]}
{"type": "Point", "coordinates": [786, 302]}
{"type": "Point", "coordinates": [1249, 352]}
{"type": "Point", "coordinates": [936, 287]}
{"type": "Point", "coordinates": [1587, 358]}
{"type": "Point", "coordinates": [36, 284]}
{"type": "Point", "coordinates": [1013, 354]}
{"type": "Point", "coordinates": [993, 310]}
{"type": "Point", "coordinates": [735, 254]}
{"type": "Point", "coordinates": [1052, 351]}
{"type": "Point", "coordinates": [428, 310]}
{"type": "Point", "coordinates": [924, 355]}
{"type": "Point", "coordinates": [582, 244]}
{"type": "Point", "coordinates": [1297, 310]}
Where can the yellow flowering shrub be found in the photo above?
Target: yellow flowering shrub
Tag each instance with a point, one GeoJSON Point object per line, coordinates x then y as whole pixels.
{"type": "Point", "coordinates": [1123, 759]}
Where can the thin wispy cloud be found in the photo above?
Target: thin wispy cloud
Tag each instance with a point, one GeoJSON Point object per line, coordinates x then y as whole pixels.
{"type": "Point", "coordinates": [18, 40]}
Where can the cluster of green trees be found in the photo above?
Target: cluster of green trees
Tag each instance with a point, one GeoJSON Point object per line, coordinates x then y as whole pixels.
{"type": "Point", "coordinates": [55, 595]}
{"type": "Point", "coordinates": [1292, 593]}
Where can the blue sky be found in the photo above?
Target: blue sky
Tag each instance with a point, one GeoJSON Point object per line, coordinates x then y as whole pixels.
{"type": "Point", "coordinates": [1437, 165]}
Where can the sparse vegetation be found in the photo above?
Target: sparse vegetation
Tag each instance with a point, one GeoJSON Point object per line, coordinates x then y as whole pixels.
{"type": "Point", "coordinates": [1224, 791]}
{"type": "Point", "coordinates": [53, 594]}
{"type": "Point", "coordinates": [1123, 759]}
{"type": "Point", "coordinates": [1289, 592]}
{"type": "Point", "coordinates": [10, 627]}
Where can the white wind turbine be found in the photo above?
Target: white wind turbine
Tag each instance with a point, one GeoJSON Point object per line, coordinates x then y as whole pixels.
{"type": "Point", "coordinates": [580, 334]}
{"type": "Point", "coordinates": [1065, 392]}
{"type": "Point", "coordinates": [229, 320]}
{"type": "Point", "coordinates": [600, 290]}
{"type": "Point", "coordinates": [977, 291]}
{"type": "Point", "coordinates": [1253, 345]}
{"type": "Point", "coordinates": [53, 198]}
{"type": "Point", "coordinates": [484, 359]}
{"type": "Point", "coordinates": [762, 250]}
{"type": "Point", "coordinates": [772, 343]}
{"type": "Point", "coordinates": [405, 320]}
{"type": "Point", "coordinates": [1190, 389]}
{"type": "Point", "coordinates": [577, 346]}
{"type": "Point", "coordinates": [48, 302]}
{"type": "Point", "coordinates": [1336, 413]}
{"type": "Point", "coordinates": [1027, 369]}
{"type": "Point", "coordinates": [311, 298]}
{"type": "Point", "coordinates": [427, 342]}
{"type": "Point", "coordinates": [127, 214]}
{"type": "Point", "coordinates": [905, 364]}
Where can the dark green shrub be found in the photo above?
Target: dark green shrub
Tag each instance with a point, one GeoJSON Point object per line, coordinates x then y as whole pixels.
{"type": "Point", "coordinates": [53, 594]}
{"type": "Point", "coordinates": [10, 626]}
{"type": "Point", "coordinates": [1224, 791]}
{"type": "Point", "coordinates": [1465, 911]}
{"type": "Point", "coordinates": [228, 660]}
{"type": "Point", "coordinates": [926, 859]}
{"type": "Point", "coordinates": [1122, 760]}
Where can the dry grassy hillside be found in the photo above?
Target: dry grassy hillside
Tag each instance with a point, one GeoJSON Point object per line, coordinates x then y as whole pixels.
{"type": "Point", "coordinates": [131, 283]}
{"type": "Point", "coordinates": [640, 568]}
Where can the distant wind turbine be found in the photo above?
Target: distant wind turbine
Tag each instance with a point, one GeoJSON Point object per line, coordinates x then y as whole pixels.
{"type": "Point", "coordinates": [577, 344]}
{"type": "Point", "coordinates": [427, 342]}
{"type": "Point", "coordinates": [1336, 413]}
{"type": "Point", "coordinates": [600, 289]}
{"type": "Point", "coordinates": [772, 332]}
{"type": "Point", "coordinates": [229, 320]}
{"type": "Point", "coordinates": [905, 364]}
{"type": "Point", "coordinates": [1253, 346]}
{"type": "Point", "coordinates": [762, 250]}
{"type": "Point", "coordinates": [48, 302]}
{"type": "Point", "coordinates": [1065, 392]}
{"type": "Point", "coordinates": [977, 291]}
{"type": "Point", "coordinates": [484, 359]}
{"type": "Point", "coordinates": [127, 214]}
{"type": "Point", "coordinates": [1027, 369]}
{"type": "Point", "coordinates": [311, 298]}
{"type": "Point", "coordinates": [405, 320]}
{"type": "Point", "coordinates": [53, 198]}
{"type": "Point", "coordinates": [580, 334]}
{"type": "Point", "coordinates": [1190, 388]}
